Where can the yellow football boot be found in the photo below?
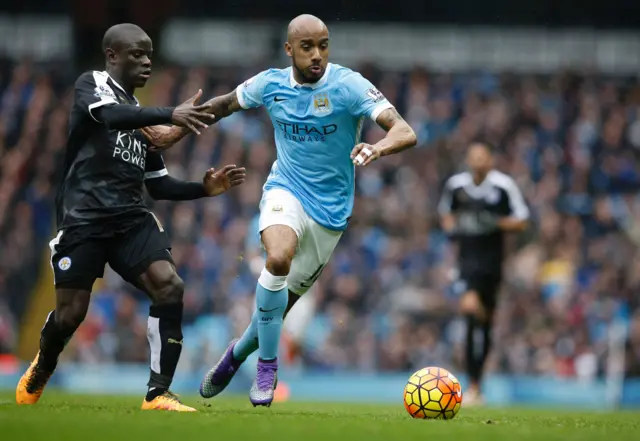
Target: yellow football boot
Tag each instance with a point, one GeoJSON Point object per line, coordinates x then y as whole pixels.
{"type": "Point", "coordinates": [166, 401]}
{"type": "Point", "coordinates": [32, 383]}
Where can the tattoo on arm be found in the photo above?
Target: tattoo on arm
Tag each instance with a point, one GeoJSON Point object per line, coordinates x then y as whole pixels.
{"type": "Point", "coordinates": [225, 105]}
{"type": "Point", "coordinates": [388, 118]}
{"type": "Point", "coordinates": [399, 136]}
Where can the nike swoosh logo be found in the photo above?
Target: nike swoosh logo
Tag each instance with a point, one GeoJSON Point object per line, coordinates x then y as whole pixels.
{"type": "Point", "coordinates": [267, 310]}
{"type": "Point", "coordinates": [276, 99]}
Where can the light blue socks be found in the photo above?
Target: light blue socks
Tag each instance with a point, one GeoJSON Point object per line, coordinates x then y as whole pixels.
{"type": "Point", "coordinates": [271, 302]}
{"type": "Point", "coordinates": [248, 343]}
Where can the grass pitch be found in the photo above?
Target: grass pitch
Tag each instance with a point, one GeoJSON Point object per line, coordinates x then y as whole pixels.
{"type": "Point", "coordinates": [95, 418]}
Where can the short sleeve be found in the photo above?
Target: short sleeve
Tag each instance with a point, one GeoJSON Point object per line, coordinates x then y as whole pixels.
{"type": "Point", "coordinates": [250, 93]}
{"type": "Point", "coordinates": [154, 166]}
{"type": "Point", "coordinates": [517, 206]}
{"type": "Point", "coordinates": [447, 200]}
{"type": "Point", "coordinates": [364, 99]}
{"type": "Point", "coordinates": [92, 92]}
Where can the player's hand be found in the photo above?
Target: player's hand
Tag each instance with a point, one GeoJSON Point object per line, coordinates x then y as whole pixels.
{"type": "Point", "coordinates": [163, 137]}
{"type": "Point", "coordinates": [364, 154]}
{"type": "Point", "coordinates": [217, 182]}
{"type": "Point", "coordinates": [488, 221]}
{"type": "Point", "coordinates": [192, 115]}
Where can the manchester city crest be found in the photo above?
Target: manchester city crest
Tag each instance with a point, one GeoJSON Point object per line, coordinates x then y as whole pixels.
{"type": "Point", "coordinates": [321, 104]}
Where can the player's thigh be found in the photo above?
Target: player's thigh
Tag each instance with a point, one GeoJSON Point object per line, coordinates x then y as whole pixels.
{"type": "Point", "coordinates": [77, 261]}
{"type": "Point", "coordinates": [316, 248]}
{"type": "Point", "coordinates": [135, 251]}
{"type": "Point", "coordinates": [281, 224]}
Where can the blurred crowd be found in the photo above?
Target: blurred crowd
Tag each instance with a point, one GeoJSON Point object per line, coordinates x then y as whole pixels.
{"type": "Point", "coordinates": [388, 299]}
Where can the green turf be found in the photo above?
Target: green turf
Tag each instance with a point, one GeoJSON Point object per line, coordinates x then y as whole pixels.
{"type": "Point", "coordinates": [91, 418]}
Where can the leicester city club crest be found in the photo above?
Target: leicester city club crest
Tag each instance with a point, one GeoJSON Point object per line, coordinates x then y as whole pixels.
{"type": "Point", "coordinates": [65, 263]}
{"type": "Point", "coordinates": [321, 104]}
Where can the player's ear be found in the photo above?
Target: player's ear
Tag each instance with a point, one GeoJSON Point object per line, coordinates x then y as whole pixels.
{"type": "Point", "coordinates": [288, 49]}
{"type": "Point", "coordinates": [110, 54]}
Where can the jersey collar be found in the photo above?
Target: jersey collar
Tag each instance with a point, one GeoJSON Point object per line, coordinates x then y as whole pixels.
{"type": "Point", "coordinates": [315, 85]}
{"type": "Point", "coordinates": [120, 87]}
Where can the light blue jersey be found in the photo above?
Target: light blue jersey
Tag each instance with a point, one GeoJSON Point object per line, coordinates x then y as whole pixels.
{"type": "Point", "coordinates": [316, 127]}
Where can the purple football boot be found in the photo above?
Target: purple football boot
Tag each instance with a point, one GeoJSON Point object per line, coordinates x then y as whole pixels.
{"type": "Point", "coordinates": [219, 377]}
{"type": "Point", "coordinates": [264, 386]}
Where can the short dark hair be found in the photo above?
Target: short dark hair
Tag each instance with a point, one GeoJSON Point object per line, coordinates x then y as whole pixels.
{"type": "Point", "coordinates": [484, 143]}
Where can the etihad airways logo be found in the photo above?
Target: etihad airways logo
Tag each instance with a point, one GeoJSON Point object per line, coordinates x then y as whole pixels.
{"type": "Point", "coordinates": [129, 149]}
{"type": "Point", "coordinates": [306, 132]}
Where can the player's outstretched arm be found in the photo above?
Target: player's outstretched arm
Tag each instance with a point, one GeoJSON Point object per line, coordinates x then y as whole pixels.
{"type": "Point", "coordinates": [130, 117]}
{"type": "Point", "coordinates": [163, 137]}
{"type": "Point", "coordinates": [214, 183]}
{"type": "Point", "coordinates": [400, 136]}
{"type": "Point", "coordinates": [224, 105]}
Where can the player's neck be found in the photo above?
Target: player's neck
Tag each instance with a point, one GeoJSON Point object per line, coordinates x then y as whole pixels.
{"type": "Point", "coordinates": [478, 178]}
{"type": "Point", "coordinates": [116, 77]}
{"type": "Point", "coordinates": [297, 76]}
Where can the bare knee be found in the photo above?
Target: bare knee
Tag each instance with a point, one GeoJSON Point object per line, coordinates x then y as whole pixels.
{"type": "Point", "coordinates": [279, 263]}
{"type": "Point", "coordinates": [161, 283]}
{"type": "Point", "coordinates": [470, 305]}
{"type": "Point", "coordinates": [280, 241]}
{"type": "Point", "coordinates": [169, 289]}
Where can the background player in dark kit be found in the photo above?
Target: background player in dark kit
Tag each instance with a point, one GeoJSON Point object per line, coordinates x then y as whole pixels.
{"type": "Point", "coordinates": [477, 208]}
{"type": "Point", "coordinates": [102, 217]}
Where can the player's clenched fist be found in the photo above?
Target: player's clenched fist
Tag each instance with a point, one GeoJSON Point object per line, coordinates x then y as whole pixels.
{"type": "Point", "coordinates": [217, 182]}
{"type": "Point", "coordinates": [191, 115]}
{"type": "Point", "coordinates": [364, 154]}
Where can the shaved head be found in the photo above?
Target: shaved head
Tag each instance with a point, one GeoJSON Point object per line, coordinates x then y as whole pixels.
{"type": "Point", "coordinates": [305, 25]}
{"type": "Point", "coordinates": [308, 46]}
{"type": "Point", "coordinates": [121, 34]}
{"type": "Point", "coordinates": [128, 50]}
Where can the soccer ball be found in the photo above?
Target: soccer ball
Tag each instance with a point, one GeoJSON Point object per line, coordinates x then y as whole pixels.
{"type": "Point", "coordinates": [433, 393]}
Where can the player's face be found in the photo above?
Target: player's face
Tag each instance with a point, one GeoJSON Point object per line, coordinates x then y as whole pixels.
{"type": "Point", "coordinates": [310, 54]}
{"type": "Point", "coordinates": [479, 159]}
{"type": "Point", "coordinates": [133, 61]}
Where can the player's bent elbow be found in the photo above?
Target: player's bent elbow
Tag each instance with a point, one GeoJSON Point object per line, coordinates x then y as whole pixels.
{"type": "Point", "coordinates": [410, 134]}
{"type": "Point", "coordinates": [412, 139]}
